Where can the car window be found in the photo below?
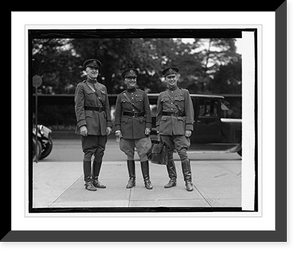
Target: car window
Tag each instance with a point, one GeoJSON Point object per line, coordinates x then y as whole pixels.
{"type": "Point", "coordinates": [226, 111]}
{"type": "Point", "coordinates": [208, 108]}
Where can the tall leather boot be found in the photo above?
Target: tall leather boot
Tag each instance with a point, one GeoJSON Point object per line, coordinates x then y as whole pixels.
{"type": "Point", "coordinates": [187, 174]}
{"type": "Point", "coordinates": [145, 172]}
{"type": "Point", "coordinates": [131, 172]}
{"type": "Point", "coordinates": [88, 176]}
{"type": "Point", "coordinates": [96, 171]}
{"type": "Point", "coordinates": [172, 174]}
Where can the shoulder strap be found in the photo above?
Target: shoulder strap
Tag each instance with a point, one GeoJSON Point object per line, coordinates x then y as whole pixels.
{"type": "Point", "coordinates": [132, 104]}
{"type": "Point", "coordinates": [178, 108]}
{"type": "Point", "coordinates": [96, 94]}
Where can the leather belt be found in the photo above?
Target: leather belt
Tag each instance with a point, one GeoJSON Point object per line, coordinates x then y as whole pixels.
{"type": "Point", "coordinates": [134, 114]}
{"type": "Point", "coordinates": [92, 108]}
{"type": "Point", "coordinates": [178, 114]}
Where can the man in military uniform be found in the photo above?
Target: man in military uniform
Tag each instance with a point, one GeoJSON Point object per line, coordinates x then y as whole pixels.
{"type": "Point", "coordinates": [133, 126]}
{"type": "Point", "coordinates": [93, 122]}
{"type": "Point", "coordinates": [174, 123]}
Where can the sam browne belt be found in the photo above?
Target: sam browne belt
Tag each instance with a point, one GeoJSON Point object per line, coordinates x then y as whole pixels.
{"type": "Point", "coordinates": [134, 114]}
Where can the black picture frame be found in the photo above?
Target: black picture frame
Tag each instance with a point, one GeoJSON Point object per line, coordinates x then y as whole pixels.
{"type": "Point", "coordinates": [277, 235]}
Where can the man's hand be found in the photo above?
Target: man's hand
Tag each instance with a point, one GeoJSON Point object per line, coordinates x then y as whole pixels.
{"type": "Point", "coordinates": [108, 130]}
{"type": "Point", "coordinates": [188, 133]}
{"type": "Point", "coordinates": [83, 131]}
{"type": "Point", "coordinates": [118, 133]}
{"type": "Point", "coordinates": [147, 131]}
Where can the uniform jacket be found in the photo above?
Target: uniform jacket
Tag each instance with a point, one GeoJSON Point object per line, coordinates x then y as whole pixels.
{"type": "Point", "coordinates": [179, 102]}
{"type": "Point", "coordinates": [133, 127]}
{"type": "Point", "coordinates": [95, 121]}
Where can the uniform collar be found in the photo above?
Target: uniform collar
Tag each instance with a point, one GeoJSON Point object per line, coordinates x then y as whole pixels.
{"type": "Point", "coordinates": [91, 81]}
{"type": "Point", "coordinates": [172, 88]}
{"type": "Point", "coordinates": [131, 90]}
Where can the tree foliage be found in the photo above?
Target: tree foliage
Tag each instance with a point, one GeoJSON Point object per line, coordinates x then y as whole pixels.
{"type": "Point", "coordinates": [207, 65]}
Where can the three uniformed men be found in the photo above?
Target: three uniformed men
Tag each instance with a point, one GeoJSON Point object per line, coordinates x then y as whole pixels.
{"type": "Point", "coordinates": [174, 123]}
{"type": "Point", "coordinates": [133, 125]}
{"type": "Point", "coordinates": [93, 122]}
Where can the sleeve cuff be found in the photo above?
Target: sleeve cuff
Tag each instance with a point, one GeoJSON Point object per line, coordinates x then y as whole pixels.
{"type": "Point", "coordinates": [109, 123]}
{"type": "Point", "coordinates": [189, 127]}
{"type": "Point", "coordinates": [81, 123]}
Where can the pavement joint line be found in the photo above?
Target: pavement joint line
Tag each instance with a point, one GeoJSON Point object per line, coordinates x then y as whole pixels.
{"type": "Point", "coordinates": [129, 197]}
{"type": "Point", "coordinates": [227, 170]}
{"type": "Point", "coordinates": [80, 177]}
{"type": "Point", "coordinates": [206, 200]}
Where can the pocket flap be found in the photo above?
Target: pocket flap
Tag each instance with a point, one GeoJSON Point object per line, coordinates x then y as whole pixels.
{"type": "Point", "coordinates": [165, 99]}
{"type": "Point", "coordinates": [179, 98]}
{"type": "Point", "coordinates": [88, 113]}
{"type": "Point", "coordinates": [124, 120]}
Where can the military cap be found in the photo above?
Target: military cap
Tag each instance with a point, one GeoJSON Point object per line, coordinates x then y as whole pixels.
{"type": "Point", "coordinates": [131, 72]}
{"type": "Point", "coordinates": [170, 70]}
{"type": "Point", "coordinates": [92, 63]}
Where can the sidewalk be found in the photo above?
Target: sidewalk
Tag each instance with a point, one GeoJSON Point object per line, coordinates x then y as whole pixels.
{"type": "Point", "coordinates": [217, 183]}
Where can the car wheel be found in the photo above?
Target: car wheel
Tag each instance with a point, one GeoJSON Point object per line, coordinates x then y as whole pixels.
{"type": "Point", "coordinates": [47, 149]}
{"type": "Point", "coordinates": [240, 152]}
{"type": "Point", "coordinates": [36, 150]}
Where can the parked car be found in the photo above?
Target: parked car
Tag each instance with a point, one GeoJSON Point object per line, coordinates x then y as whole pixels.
{"type": "Point", "coordinates": [216, 128]}
{"type": "Point", "coordinates": [42, 147]}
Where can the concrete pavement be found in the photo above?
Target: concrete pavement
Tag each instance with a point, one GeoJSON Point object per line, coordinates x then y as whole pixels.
{"type": "Point", "coordinates": [59, 184]}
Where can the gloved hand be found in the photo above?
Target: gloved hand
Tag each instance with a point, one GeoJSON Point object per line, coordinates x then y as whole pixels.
{"type": "Point", "coordinates": [118, 133]}
{"type": "Point", "coordinates": [147, 131]}
{"type": "Point", "coordinates": [83, 131]}
{"type": "Point", "coordinates": [108, 130]}
{"type": "Point", "coordinates": [188, 133]}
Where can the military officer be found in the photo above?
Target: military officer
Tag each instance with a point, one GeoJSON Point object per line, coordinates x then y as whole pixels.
{"type": "Point", "coordinates": [93, 122]}
{"type": "Point", "coordinates": [174, 123]}
{"type": "Point", "coordinates": [133, 125]}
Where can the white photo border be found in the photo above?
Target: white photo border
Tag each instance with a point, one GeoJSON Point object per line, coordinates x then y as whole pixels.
{"type": "Point", "coordinates": [262, 220]}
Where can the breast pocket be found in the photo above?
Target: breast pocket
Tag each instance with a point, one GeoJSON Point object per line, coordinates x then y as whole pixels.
{"type": "Point", "coordinates": [139, 102]}
{"type": "Point", "coordinates": [90, 98]}
{"type": "Point", "coordinates": [126, 105]}
{"type": "Point", "coordinates": [166, 103]}
{"type": "Point", "coordinates": [101, 95]}
{"type": "Point", "coordinates": [179, 101]}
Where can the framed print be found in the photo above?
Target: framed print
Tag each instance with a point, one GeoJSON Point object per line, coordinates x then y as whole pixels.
{"type": "Point", "coordinates": [235, 89]}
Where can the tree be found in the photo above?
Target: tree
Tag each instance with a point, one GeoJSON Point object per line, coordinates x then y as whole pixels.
{"type": "Point", "coordinates": [55, 62]}
{"type": "Point", "coordinates": [206, 65]}
{"type": "Point", "coordinates": [214, 54]}
{"type": "Point", "coordinates": [227, 79]}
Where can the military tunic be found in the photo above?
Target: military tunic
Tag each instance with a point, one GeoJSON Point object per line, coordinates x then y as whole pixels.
{"type": "Point", "coordinates": [133, 127]}
{"type": "Point", "coordinates": [132, 122]}
{"type": "Point", "coordinates": [175, 112]}
{"type": "Point", "coordinates": [96, 121]}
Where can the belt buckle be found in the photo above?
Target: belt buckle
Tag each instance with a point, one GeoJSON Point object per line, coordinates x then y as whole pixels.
{"type": "Point", "coordinates": [135, 114]}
